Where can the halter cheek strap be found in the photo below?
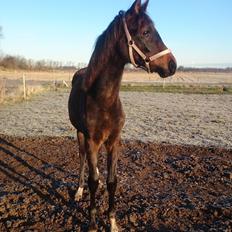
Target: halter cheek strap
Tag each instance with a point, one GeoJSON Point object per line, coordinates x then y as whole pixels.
{"type": "Point", "coordinates": [132, 45]}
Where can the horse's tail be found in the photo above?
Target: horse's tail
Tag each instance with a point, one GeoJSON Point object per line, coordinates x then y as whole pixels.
{"type": "Point", "coordinates": [78, 74]}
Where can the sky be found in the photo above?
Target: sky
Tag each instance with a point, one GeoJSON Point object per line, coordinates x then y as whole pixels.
{"type": "Point", "coordinates": [199, 32]}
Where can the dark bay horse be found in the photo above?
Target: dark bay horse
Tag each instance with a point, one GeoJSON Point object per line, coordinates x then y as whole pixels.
{"type": "Point", "coordinates": [95, 109]}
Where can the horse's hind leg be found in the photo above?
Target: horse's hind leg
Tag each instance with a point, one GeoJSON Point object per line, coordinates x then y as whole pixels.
{"type": "Point", "coordinates": [112, 150]}
{"type": "Point", "coordinates": [82, 155]}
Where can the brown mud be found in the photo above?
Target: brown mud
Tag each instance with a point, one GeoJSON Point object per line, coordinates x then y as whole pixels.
{"type": "Point", "coordinates": [161, 187]}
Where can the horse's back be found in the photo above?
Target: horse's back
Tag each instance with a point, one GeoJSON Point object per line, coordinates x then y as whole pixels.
{"type": "Point", "coordinates": [78, 74]}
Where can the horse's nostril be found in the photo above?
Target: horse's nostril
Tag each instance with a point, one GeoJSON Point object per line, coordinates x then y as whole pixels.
{"type": "Point", "coordinates": [172, 66]}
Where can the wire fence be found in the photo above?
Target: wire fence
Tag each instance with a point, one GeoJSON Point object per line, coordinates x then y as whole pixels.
{"type": "Point", "coordinates": [21, 88]}
{"type": "Point", "coordinates": [15, 86]}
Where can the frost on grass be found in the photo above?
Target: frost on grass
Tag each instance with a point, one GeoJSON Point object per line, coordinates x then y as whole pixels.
{"type": "Point", "coordinates": [203, 120]}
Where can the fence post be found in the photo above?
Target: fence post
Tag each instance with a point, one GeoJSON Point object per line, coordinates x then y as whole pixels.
{"type": "Point", "coordinates": [164, 82]}
{"type": "Point", "coordinates": [2, 90]}
{"type": "Point", "coordinates": [24, 87]}
{"type": "Point", "coordinates": [54, 81]}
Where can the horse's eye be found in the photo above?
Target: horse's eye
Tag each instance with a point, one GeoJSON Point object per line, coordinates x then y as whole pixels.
{"type": "Point", "coordinates": [146, 33]}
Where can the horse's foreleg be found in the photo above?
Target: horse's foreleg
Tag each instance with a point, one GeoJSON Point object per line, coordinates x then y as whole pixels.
{"type": "Point", "coordinates": [82, 155]}
{"type": "Point", "coordinates": [112, 150]}
{"type": "Point", "coordinates": [93, 181]}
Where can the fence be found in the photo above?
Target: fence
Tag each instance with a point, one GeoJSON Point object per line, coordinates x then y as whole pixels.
{"type": "Point", "coordinates": [16, 85]}
{"type": "Point", "coordinates": [21, 88]}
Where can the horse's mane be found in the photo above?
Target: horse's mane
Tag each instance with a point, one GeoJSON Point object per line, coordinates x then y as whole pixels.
{"type": "Point", "coordinates": [103, 50]}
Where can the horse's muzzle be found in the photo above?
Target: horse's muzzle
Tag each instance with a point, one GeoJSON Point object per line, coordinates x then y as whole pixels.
{"type": "Point", "coordinates": [172, 67]}
{"type": "Point", "coordinates": [166, 68]}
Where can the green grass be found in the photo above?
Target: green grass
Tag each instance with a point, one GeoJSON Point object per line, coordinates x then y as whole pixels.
{"type": "Point", "coordinates": [177, 89]}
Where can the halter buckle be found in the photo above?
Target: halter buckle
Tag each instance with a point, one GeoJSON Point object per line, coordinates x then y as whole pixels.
{"type": "Point", "coordinates": [147, 60]}
{"type": "Point", "coordinates": [131, 42]}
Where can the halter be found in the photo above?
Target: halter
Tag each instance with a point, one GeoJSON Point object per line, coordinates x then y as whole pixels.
{"type": "Point", "coordinates": [132, 45]}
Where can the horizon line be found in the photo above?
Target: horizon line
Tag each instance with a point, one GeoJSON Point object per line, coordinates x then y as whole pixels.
{"type": "Point", "coordinates": [82, 63]}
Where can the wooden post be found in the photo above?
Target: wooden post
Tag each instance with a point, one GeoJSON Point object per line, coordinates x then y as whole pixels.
{"type": "Point", "coordinates": [54, 81]}
{"type": "Point", "coordinates": [65, 83]}
{"type": "Point", "coordinates": [2, 89]}
{"type": "Point", "coordinates": [164, 83]}
{"type": "Point", "coordinates": [24, 87]}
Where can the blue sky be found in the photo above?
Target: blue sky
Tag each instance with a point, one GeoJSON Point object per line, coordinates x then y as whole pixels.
{"type": "Point", "coordinates": [199, 32]}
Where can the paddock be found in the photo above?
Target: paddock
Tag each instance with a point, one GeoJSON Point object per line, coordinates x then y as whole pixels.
{"type": "Point", "coordinates": [174, 166]}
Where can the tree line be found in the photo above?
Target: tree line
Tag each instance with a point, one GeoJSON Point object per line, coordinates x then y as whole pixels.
{"type": "Point", "coordinates": [21, 63]}
{"type": "Point", "coordinates": [215, 70]}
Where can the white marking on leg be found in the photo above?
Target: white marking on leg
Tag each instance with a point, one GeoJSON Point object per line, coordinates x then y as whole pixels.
{"type": "Point", "coordinates": [97, 171]}
{"type": "Point", "coordinates": [79, 194]}
{"type": "Point", "coordinates": [113, 225]}
{"type": "Point", "coordinates": [100, 182]}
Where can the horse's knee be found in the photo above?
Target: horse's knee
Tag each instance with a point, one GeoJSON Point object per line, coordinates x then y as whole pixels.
{"type": "Point", "coordinates": [93, 184]}
{"type": "Point", "coordinates": [93, 173]}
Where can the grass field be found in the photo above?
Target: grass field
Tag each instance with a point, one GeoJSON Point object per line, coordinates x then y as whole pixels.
{"type": "Point", "coordinates": [186, 89]}
{"type": "Point", "coordinates": [11, 89]}
{"type": "Point", "coordinates": [139, 76]}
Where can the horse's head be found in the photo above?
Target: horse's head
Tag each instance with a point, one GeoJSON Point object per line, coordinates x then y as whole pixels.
{"type": "Point", "coordinates": [146, 48]}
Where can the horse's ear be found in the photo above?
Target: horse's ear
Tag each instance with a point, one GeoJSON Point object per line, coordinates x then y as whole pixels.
{"type": "Point", "coordinates": [136, 7]}
{"type": "Point", "coordinates": [144, 6]}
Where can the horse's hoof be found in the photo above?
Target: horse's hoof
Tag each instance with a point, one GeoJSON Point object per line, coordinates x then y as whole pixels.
{"type": "Point", "coordinates": [79, 194]}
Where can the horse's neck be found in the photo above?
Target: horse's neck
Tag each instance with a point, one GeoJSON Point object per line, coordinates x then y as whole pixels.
{"type": "Point", "coordinates": [107, 85]}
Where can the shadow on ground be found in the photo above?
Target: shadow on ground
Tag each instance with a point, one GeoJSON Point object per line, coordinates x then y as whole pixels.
{"type": "Point", "coordinates": [161, 187]}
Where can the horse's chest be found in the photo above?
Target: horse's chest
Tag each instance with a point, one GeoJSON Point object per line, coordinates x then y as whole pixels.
{"type": "Point", "coordinates": [102, 123]}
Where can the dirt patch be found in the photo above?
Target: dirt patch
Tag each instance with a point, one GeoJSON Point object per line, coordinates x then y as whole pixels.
{"type": "Point", "coordinates": [161, 187]}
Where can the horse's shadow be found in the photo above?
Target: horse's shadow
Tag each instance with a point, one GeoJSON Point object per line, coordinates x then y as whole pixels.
{"type": "Point", "coordinates": [46, 186]}
{"type": "Point", "coordinates": [51, 188]}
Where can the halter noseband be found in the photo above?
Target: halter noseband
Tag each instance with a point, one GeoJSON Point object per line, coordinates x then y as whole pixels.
{"type": "Point", "coordinates": [132, 45]}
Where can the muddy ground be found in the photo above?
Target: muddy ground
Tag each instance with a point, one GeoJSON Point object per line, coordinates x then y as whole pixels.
{"type": "Point", "coordinates": [161, 187]}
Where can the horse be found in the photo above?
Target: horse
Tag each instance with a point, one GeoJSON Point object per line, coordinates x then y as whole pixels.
{"type": "Point", "coordinates": [95, 109]}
